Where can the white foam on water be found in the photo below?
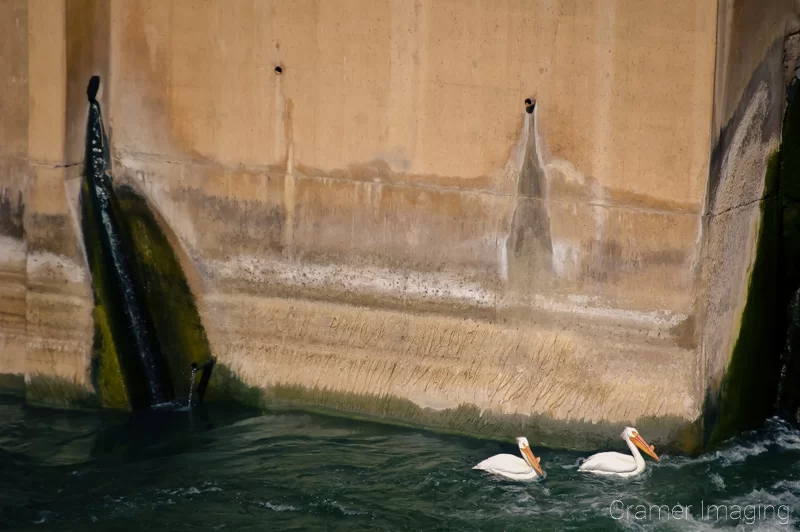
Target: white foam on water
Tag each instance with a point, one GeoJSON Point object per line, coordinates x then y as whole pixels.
{"type": "Point", "coordinates": [44, 516]}
{"type": "Point", "coordinates": [776, 433]}
{"type": "Point", "coordinates": [786, 436]}
{"type": "Point", "coordinates": [210, 487]}
{"type": "Point", "coordinates": [185, 492]}
{"type": "Point", "coordinates": [170, 405]}
{"type": "Point", "coordinates": [277, 507]}
{"type": "Point", "coordinates": [523, 504]}
{"type": "Point", "coordinates": [328, 503]}
{"type": "Point", "coordinates": [739, 453]}
{"type": "Point", "coordinates": [791, 485]}
{"type": "Point", "coordinates": [690, 523]}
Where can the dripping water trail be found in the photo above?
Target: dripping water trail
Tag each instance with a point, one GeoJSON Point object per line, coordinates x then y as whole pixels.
{"type": "Point", "coordinates": [191, 384]}
{"type": "Point", "coordinates": [119, 265]}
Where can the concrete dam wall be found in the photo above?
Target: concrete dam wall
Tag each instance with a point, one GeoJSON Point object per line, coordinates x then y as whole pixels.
{"type": "Point", "coordinates": [485, 217]}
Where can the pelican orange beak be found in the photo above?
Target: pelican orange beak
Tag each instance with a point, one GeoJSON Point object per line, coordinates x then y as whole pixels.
{"type": "Point", "coordinates": [639, 442]}
{"type": "Point", "coordinates": [533, 461]}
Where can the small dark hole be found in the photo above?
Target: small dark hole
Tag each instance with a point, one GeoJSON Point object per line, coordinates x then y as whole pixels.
{"type": "Point", "coordinates": [529, 109]}
{"type": "Point", "coordinates": [528, 101]}
{"type": "Point", "coordinates": [278, 70]}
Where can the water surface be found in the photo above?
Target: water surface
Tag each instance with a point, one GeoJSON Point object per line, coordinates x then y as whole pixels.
{"type": "Point", "coordinates": [229, 468]}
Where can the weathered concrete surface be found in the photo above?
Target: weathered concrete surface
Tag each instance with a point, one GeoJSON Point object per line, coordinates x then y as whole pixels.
{"type": "Point", "coordinates": [748, 114]}
{"type": "Point", "coordinates": [14, 174]}
{"type": "Point", "coordinates": [419, 134]}
{"type": "Point", "coordinates": [46, 318]}
{"type": "Point", "coordinates": [391, 180]}
{"type": "Point", "coordinates": [443, 362]}
{"type": "Point", "coordinates": [392, 165]}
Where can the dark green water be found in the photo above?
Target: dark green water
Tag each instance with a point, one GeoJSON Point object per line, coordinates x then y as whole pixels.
{"type": "Point", "coordinates": [227, 468]}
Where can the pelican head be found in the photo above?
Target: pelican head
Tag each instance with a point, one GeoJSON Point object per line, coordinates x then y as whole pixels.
{"type": "Point", "coordinates": [527, 455]}
{"type": "Point", "coordinates": [632, 435]}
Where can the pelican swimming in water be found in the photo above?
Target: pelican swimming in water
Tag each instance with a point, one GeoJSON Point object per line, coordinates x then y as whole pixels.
{"type": "Point", "coordinates": [515, 468]}
{"type": "Point", "coordinates": [618, 464]}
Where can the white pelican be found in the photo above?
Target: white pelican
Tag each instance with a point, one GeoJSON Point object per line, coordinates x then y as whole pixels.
{"type": "Point", "coordinates": [621, 465]}
{"type": "Point", "coordinates": [510, 466]}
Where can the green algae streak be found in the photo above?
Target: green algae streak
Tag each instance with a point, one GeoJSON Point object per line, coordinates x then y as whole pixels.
{"type": "Point", "coordinates": [166, 292]}
{"type": "Point", "coordinates": [107, 374]}
{"type": "Point", "coordinates": [110, 383]}
{"type": "Point", "coordinates": [746, 395]}
{"type": "Point", "coordinates": [166, 295]}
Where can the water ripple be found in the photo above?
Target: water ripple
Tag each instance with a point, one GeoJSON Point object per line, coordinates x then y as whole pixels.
{"type": "Point", "coordinates": [242, 471]}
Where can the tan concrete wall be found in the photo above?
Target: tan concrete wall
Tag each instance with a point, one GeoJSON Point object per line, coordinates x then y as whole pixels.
{"type": "Point", "coordinates": [399, 127]}
{"type": "Point", "coordinates": [392, 166]}
{"type": "Point", "coordinates": [748, 114]}
{"type": "Point", "coordinates": [13, 182]}
{"type": "Point", "coordinates": [46, 320]}
{"type": "Point", "coordinates": [746, 32]}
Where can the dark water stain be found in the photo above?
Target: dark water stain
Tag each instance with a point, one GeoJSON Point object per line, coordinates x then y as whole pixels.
{"type": "Point", "coordinates": [788, 399]}
{"type": "Point", "coordinates": [685, 333]}
{"type": "Point", "coordinates": [241, 225]}
{"type": "Point", "coordinates": [612, 261]}
{"type": "Point", "coordinates": [124, 328]}
{"type": "Point", "coordinates": [50, 232]}
{"type": "Point", "coordinates": [529, 246]}
{"type": "Point", "coordinates": [12, 212]}
{"type": "Point", "coordinates": [769, 73]}
{"type": "Point", "coordinates": [165, 290]}
{"type": "Point", "coordinates": [746, 394]}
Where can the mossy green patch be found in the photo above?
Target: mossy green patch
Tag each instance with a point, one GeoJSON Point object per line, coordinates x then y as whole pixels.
{"type": "Point", "coordinates": [111, 387]}
{"type": "Point", "coordinates": [165, 291]}
{"type": "Point", "coordinates": [144, 310]}
{"type": "Point", "coordinates": [107, 374]}
{"type": "Point", "coordinates": [747, 392]}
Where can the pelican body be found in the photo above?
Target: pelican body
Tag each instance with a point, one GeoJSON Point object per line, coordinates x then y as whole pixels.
{"type": "Point", "coordinates": [618, 464]}
{"type": "Point", "coordinates": [513, 467]}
